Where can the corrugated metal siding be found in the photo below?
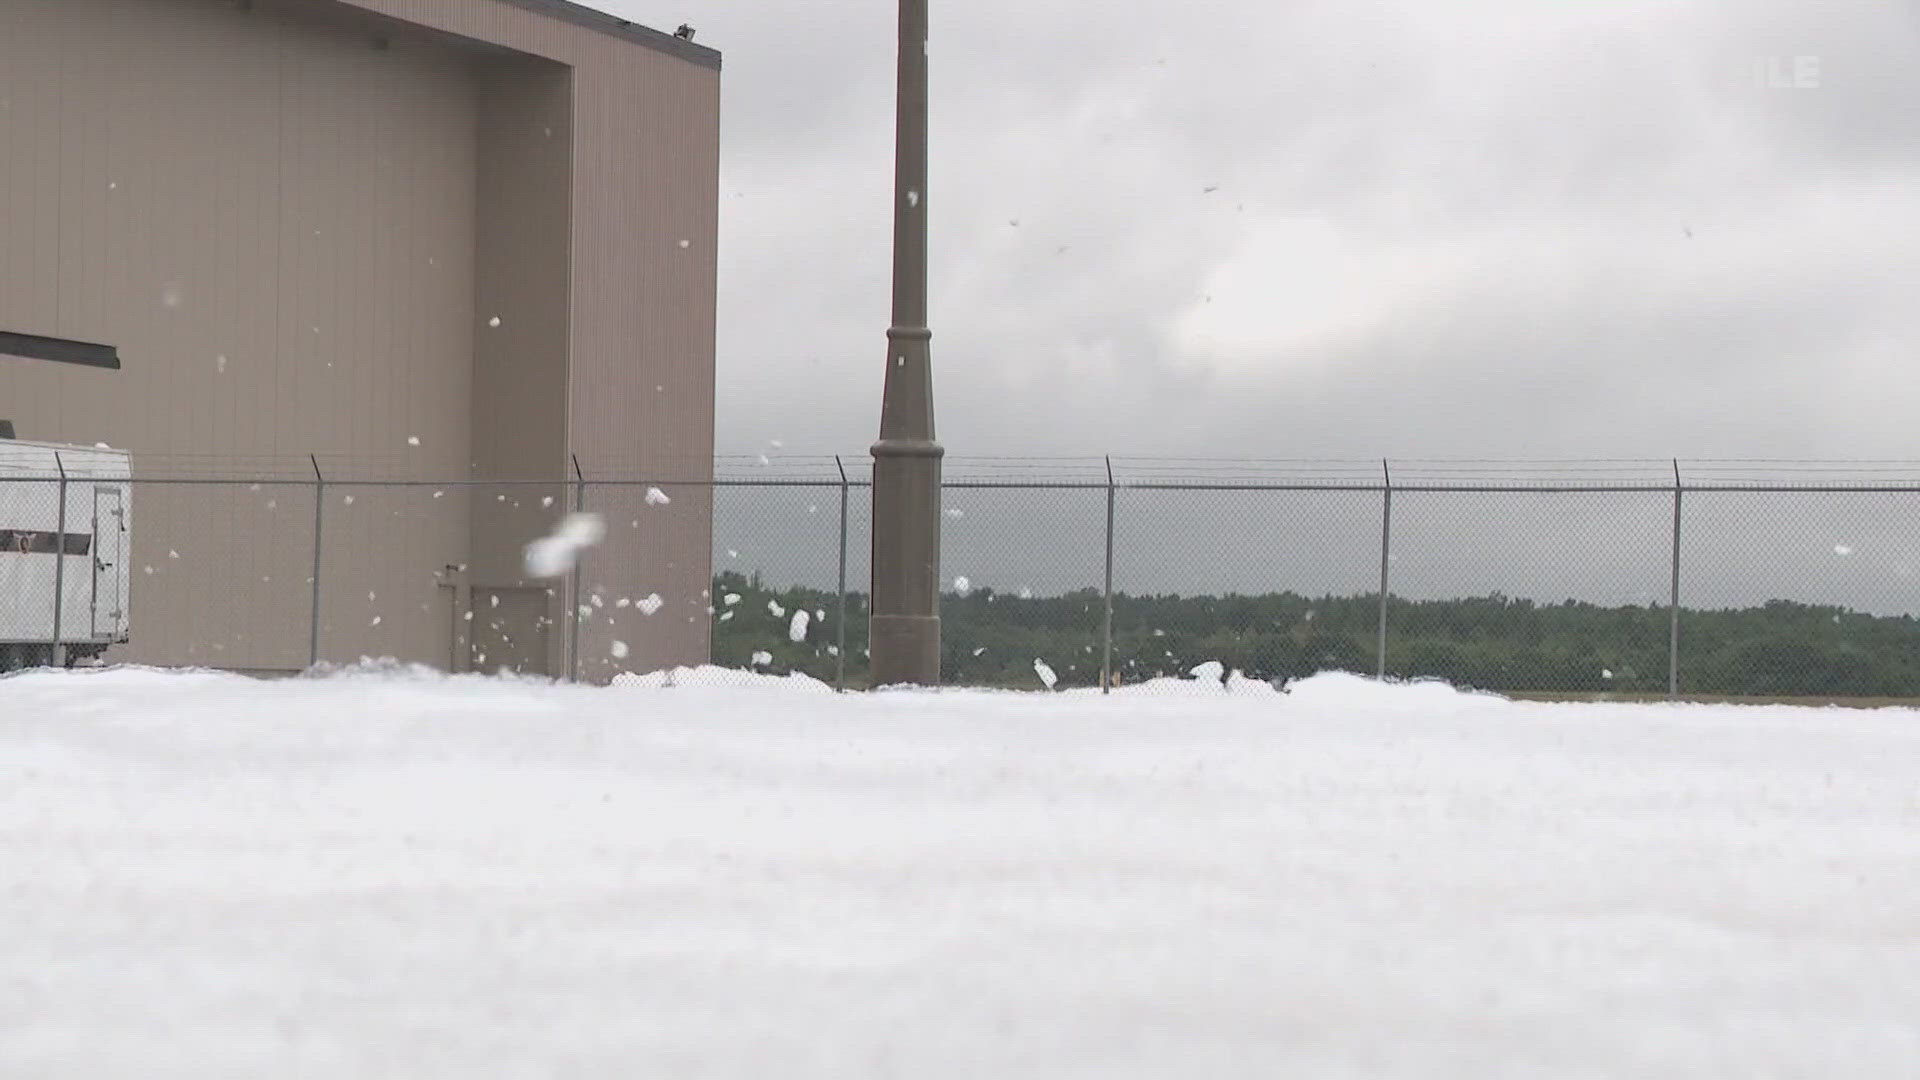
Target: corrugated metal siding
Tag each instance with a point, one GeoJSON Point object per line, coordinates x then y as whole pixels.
{"type": "Point", "coordinates": [276, 220]}
{"type": "Point", "coordinates": [523, 278]}
{"type": "Point", "coordinates": [643, 372]}
{"type": "Point", "coordinates": [646, 164]}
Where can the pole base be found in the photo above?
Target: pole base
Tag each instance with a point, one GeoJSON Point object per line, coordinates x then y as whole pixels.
{"type": "Point", "coordinates": [906, 650]}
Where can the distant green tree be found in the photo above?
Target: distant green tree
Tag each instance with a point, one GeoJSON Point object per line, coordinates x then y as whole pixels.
{"type": "Point", "coordinates": [1494, 642]}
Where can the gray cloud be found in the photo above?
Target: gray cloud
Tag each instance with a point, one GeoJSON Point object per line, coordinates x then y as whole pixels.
{"type": "Point", "coordinates": [1506, 228]}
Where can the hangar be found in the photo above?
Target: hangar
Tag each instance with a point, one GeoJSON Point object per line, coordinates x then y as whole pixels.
{"type": "Point", "coordinates": [311, 244]}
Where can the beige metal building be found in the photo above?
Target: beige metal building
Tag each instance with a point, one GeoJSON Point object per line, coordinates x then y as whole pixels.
{"type": "Point", "coordinates": [426, 240]}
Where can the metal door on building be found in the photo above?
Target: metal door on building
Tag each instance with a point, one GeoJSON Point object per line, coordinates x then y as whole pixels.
{"type": "Point", "coordinates": [109, 564]}
{"type": "Point", "coordinates": [512, 630]}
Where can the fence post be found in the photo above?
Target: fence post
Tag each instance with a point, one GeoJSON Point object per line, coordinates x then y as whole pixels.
{"type": "Point", "coordinates": [1106, 627]}
{"type": "Point", "coordinates": [579, 592]}
{"type": "Point", "coordinates": [313, 606]}
{"type": "Point", "coordinates": [59, 651]}
{"type": "Point", "coordinates": [1673, 607]}
{"type": "Point", "coordinates": [840, 650]}
{"type": "Point", "coordinates": [1386, 557]}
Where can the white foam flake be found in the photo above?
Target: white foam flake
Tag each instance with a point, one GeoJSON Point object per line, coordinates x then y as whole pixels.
{"type": "Point", "coordinates": [762, 658]}
{"type": "Point", "coordinates": [413, 440]}
{"type": "Point", "coordinates": [1047, 676]}
{"type": "Point", "coordinates": [732, 599]}
{"type": "Point", "coordinates": [1842, 550]}
{"type": "Point", "coordinates": [774, 609]}
{"type": "Point", "coordinates": [656, 497]}
{"type": "Point", "coordinates": [651, 605]}
{"type": "Point", "coordinates": [797, 629]}
{"type": "Point", "coordinates": [962, 586]}
{"type": "Point", "coordinates": [619, 651]}
{"type": "Point", "coordinates": [552, 556]}
{"type": "Point", "coordinates": [494, 322]}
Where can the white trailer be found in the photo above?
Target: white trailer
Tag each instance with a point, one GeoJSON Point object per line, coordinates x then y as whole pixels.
{"type": "Point", "coordinates": [64, 520]}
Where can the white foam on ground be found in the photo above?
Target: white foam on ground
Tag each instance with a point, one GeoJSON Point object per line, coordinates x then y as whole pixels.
{"type": "Point", "coordinates": [385, 872]}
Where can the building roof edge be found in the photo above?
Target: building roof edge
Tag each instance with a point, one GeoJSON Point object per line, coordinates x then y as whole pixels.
{"type": "Point", "coordinates": [626, 29]}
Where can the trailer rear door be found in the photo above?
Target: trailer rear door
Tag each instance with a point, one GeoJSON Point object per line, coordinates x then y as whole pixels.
{"type": "Point", "coordinates": [109, 564]}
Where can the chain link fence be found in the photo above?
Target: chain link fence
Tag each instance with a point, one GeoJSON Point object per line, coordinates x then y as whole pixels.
{"type": "Point", "coordinates": [1725, 580]}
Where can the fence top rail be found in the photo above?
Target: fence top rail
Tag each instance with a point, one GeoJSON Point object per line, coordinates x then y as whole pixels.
{"type": "Point", "coordinates": [1063, 473]}
{"type": "Point", "coordinates": [1756, 487]}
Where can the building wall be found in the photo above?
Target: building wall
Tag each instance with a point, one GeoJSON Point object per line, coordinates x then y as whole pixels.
{"type": "Point", "coordinates": [524, 279]}
{"type": "Point", "coordinates": [296, 218]}
{"type": "Point", "coordinates": [644, 264]}
{"type": "Point", "coordinates": [193, 182]}
{"type": "Point", "coordinates": [273, 218]}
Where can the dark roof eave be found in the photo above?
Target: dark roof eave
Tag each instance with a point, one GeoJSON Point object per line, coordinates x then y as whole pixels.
{"type": "Point", "coordinates": [625, 29]}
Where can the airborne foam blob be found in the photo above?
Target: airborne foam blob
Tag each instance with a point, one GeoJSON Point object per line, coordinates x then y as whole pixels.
{"type": "Point", "coordinates": [553, 556]}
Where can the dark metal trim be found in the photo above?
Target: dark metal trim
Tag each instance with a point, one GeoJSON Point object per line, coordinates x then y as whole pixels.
{"type": "Point", "coordinates": [580, 15]}
{"type": "Point", "coordinates": [60, 350]}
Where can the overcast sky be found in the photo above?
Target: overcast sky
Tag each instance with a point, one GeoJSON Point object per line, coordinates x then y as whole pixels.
{"type": "Point", "coordinates": [1511, 228]}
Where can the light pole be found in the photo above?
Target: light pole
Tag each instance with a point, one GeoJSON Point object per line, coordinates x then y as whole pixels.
{"type": "Point", "coordinates": [904, 633]}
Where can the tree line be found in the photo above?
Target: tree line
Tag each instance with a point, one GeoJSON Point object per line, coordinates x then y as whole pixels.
{"type": "Point", "coordinates": [1496, 642]}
